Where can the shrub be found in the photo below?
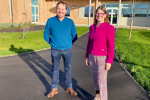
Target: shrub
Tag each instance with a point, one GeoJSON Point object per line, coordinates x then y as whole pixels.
{"type": "Point", "coordinates": [33, 24]}
{"type": "Point", "coordinates": [20, 24]}
{"type": "Point", "coordinates": [15, 25]}
{"type": "Point", "coordinates": [5, 25]}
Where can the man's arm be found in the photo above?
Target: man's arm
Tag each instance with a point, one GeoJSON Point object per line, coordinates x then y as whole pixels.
{"type": "Point", "coordinates": [74, 33]}
{"type": "Point", "coordinates": [47, 32]}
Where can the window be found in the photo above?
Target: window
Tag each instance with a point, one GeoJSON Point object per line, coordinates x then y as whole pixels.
{"type": "Point", "coordinates": [126, 12]}
{"type": "Point", "coordinates": [127, 5]}
{"type": "Point", "coordinates": [140, 12]}
{"type": "Point", "coordinates": [112, 5]}
{"type": "Point", "coordinates": [103, 5]}
{"type": "Point", "coordinates": [34, 2]}
{"type": "Point", "coordinates": [68, 12]}
{"type": "Point", "coordinates": [149, 13]}
{"type": "Point", "coordinates": [141, 5]}
{"type": "Point", "coordinates": [35, 14]}
{"type": "Point", "coordinates": [86, 12]}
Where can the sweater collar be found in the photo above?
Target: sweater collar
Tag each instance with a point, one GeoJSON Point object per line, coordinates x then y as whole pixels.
{"type": "Point", "coordinates": [99, 25]}
{"type": "Point", "coordinates": [95, 25]}
{"type": "Point", "coordinates": [59, 20]}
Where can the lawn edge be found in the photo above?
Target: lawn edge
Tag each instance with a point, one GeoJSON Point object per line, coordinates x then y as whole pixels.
{"type": "Point", "coordinates": [35, 50]}
{"type": "Point", "coordinates": [128, 72]}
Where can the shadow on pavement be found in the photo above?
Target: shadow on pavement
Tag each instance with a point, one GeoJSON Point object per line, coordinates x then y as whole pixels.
{"type": "Point", "coordinates": [34, 58]}
{"type": "Point", "coordinates": [79, 47]}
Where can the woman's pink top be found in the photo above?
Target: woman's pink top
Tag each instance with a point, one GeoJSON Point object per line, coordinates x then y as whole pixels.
{"type": "Point", "coordinates": [101, 41]}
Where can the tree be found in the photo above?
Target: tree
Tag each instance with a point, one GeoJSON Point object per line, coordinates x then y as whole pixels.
{"type": "Point", "coordinates": [26, 25]}
{"type": "Point", "coordinates": [133, 3]}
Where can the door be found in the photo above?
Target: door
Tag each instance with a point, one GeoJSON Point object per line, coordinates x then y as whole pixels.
{"type": "Point", "coordinates": [113, 14]}
{"type": "Point", "coordinates": [35, 14]}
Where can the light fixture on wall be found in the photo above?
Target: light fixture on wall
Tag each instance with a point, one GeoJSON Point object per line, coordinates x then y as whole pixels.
{"type": "Point", "coordinates": [73, 6]}
{"type": "Point", "coordinates": [53, 2]}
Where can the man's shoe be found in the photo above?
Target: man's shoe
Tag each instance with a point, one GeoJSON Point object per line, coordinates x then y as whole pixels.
{"type": "Point", "coordinates": [52, 93]}
{"type": "Point", "coordinates": [71, 91]}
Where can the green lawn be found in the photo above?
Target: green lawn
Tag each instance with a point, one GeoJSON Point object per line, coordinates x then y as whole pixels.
{"type": "Point", "coordinates": [135, 53]}
{"type": "Point", "coordinates": [10, 44]}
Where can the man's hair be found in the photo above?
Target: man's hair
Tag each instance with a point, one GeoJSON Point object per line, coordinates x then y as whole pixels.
{"type": "Point", "coordinates": [61, 2]}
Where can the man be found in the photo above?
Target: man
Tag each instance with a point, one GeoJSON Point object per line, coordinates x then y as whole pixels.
{"type": "Point", "coordinates": [60, 33]}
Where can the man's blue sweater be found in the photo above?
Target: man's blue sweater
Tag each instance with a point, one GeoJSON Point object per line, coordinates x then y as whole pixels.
{"type": "Point", "coordinates": [60, 34]}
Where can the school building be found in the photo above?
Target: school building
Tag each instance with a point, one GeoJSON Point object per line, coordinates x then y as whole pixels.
{"type": "Point", "coordinates": [81, 11]}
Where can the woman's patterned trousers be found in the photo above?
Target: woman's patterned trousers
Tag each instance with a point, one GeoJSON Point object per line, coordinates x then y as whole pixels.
{"type": "Point", "coordinates": [99, 74]}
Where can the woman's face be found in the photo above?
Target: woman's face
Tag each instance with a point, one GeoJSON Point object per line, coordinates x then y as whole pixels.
{"type": "Point", "coordinates": [100, 16]}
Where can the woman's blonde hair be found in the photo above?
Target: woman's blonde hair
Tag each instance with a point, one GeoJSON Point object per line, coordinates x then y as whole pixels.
{"type": "Point", "coordinates": [105, 11]}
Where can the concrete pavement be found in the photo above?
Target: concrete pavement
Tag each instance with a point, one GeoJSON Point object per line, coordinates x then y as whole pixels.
{"type": "Point", "coordinates": [28, 77]}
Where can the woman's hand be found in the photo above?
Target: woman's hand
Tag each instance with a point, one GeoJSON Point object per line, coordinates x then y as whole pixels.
{"type": "Point", "coordinates": [108, 65]}
{"type": "Point", "coordinates": [87, 61]}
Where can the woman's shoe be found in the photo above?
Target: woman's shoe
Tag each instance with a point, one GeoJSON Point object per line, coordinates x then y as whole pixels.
{"type": "Point", "coordinates": [97, 97]}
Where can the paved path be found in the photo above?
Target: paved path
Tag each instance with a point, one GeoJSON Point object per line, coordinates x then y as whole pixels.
{"type": "Point", "coordinates": [28, 77]}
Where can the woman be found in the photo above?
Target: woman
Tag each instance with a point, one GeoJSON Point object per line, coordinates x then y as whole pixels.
{"type": "Point", "coordinates": [100, 51]}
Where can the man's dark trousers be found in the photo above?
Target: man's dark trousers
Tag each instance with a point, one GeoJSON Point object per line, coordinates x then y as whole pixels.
{"type": "Point", "coordinates": [56, 55]}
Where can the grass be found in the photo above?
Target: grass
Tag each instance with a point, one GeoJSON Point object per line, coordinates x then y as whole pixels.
{"type": "Point", "coordinates": [10, 44]}
{"type": "Point", "coordinates": [135, 53]}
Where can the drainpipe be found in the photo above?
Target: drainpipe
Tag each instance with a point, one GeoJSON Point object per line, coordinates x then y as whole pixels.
{"type": "Point", "coordinates": [25, 10]}
{"type": "Point", "coordinates": [96, 3]}
{"type": "Point", "coordinates": [119, 13]}
{"type": "Point", "coordinates": [11, 11]}
{"type": "Point", "coordinates": [44, 11]}
{"type": "Point", "coordinates": [89, 12]}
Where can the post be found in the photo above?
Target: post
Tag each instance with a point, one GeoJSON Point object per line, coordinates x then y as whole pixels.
{"type": "Point", "coordinates": [89, 12]}
{"type": "Point", "coordinates": [12, 10]}
{"type": "Point", "coordinates": [119, 13]}
{"type": "Point", "coordinates": [131, 21]}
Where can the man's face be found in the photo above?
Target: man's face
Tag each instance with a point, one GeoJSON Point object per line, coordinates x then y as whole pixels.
{"type": "Point", "coordinates": [61, 10]}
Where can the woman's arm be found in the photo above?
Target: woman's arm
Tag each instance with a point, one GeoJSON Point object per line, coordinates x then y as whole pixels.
{"type": "Point", "coordinates": [88, 45]}
{"type": "Point", "coordinates": [110, 45]}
